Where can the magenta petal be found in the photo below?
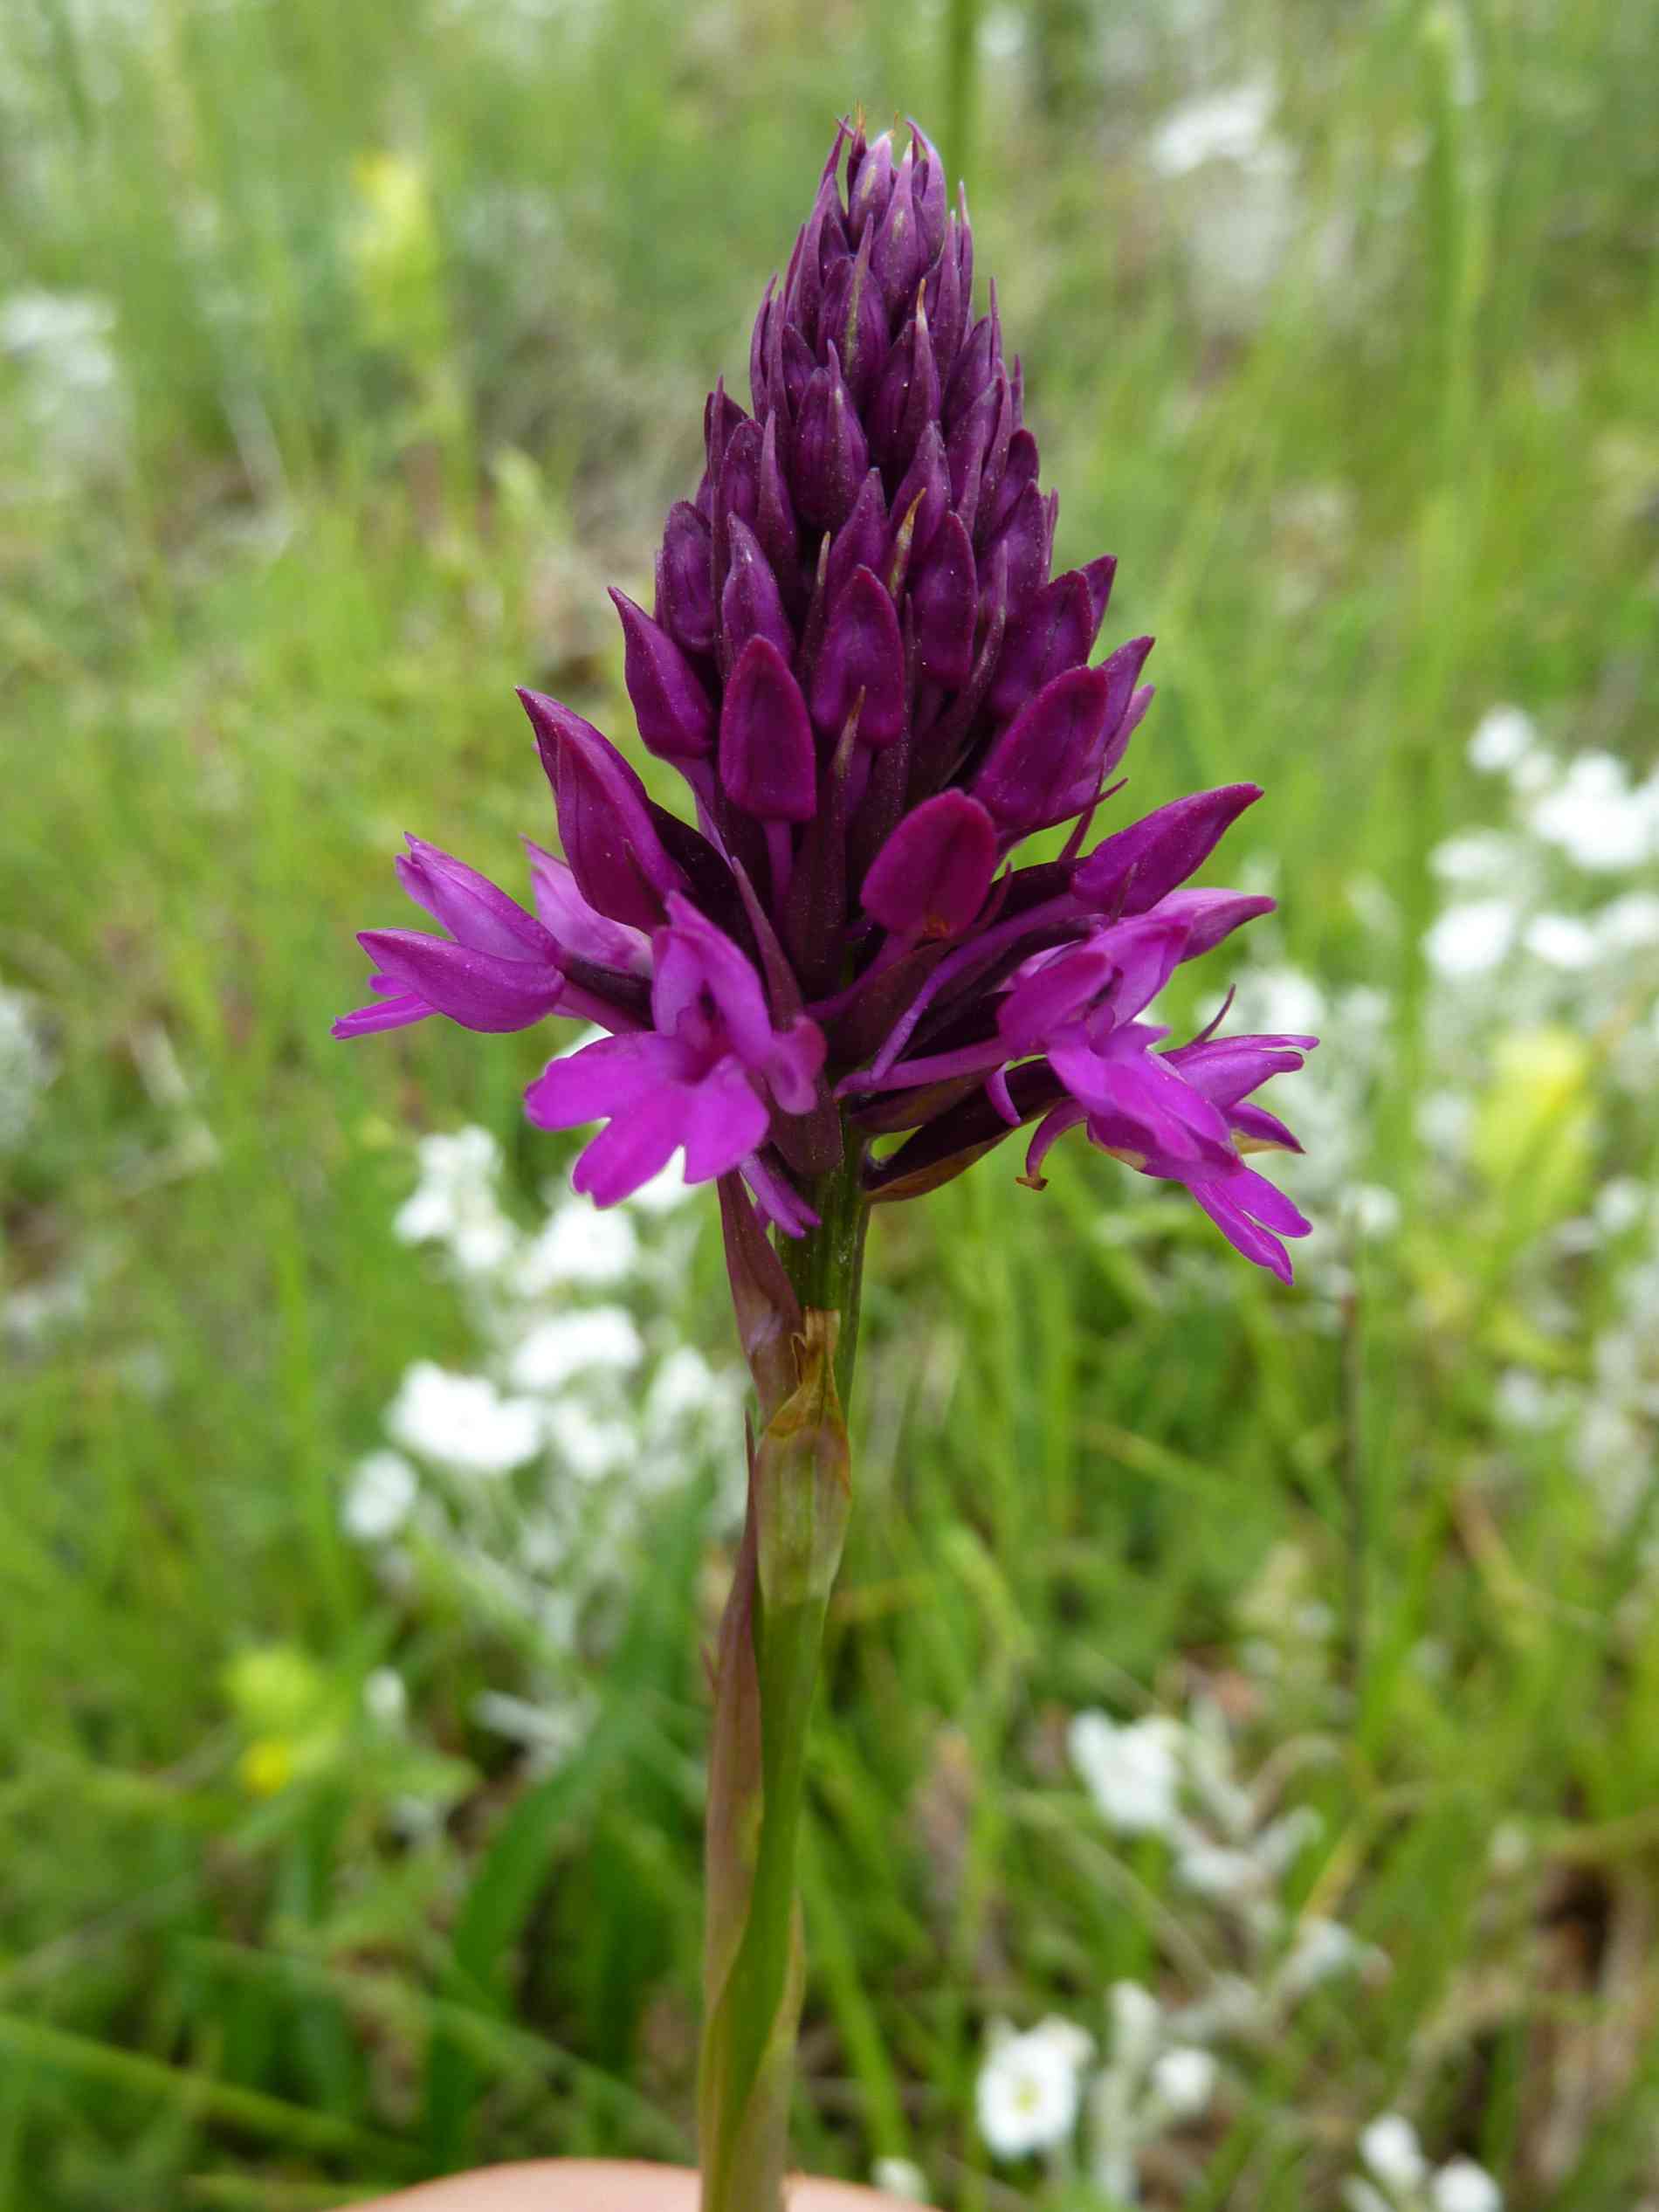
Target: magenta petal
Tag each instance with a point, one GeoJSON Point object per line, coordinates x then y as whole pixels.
{"type": "Point", "coordinates": [722, 1121]}
{"type": "Point", "coordinates": [1050, 746]}
{"type": "Point", "coordinates": [630, 1150]}
{"type": "Point", "coordinates": [385, 1014]}
{"type": "Point", "coordinates": [612, 1075]}
{"type": "Point", "coordinates": [694, 959]}
{"type": "Point", "coordinates": [1209, 916]}
{"type": "Point", "coordinates": [473, 910]}
{"type": "Point", "coordinates": [577, 927]}
{"type": "Point", "coordinates": [793, 1066]}
{"type": "Point", "coordinates": [933, 873]}
{"type": "Point", "coordinates": [479, 991]}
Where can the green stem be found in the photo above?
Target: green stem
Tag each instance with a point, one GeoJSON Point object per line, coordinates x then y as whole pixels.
{"type": "Point", "coordinates": [800, 1496]}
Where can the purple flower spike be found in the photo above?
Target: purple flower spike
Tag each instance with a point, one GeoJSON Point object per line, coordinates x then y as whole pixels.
{"type": "Point", "coordinates": [604, 817]}
{"type": "Point", "coordinates": [670, 704]}
{"type": "Point", "coordinates": [931, 877]}
{"type": "Point", "coordinates": [874, 692]}
{"type": "Point", "coordinates": [767, 765]}
{"type": "Point", "coordinates": [862, 664]}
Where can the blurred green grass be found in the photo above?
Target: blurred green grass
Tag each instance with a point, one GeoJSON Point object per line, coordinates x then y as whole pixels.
{"type": "Point", "coordinates": [414, 307]}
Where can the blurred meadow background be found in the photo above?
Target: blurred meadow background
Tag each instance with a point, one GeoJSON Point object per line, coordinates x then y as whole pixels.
{"type": "Point", "coordinates": [1237, 1783]}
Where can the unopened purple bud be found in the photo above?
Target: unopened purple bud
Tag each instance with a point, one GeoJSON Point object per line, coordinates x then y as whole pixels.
{"type": "Point", "coordinates": [863, 654]}
{"type": "Point", "coordinates": [1027, 534]}
{"type": "Point", "coordinates": [1019, 471]}
{"type": "Point", "coordinates": [750, 605]}
{"type": "Point", "coordinates": [759, 339]}
{"type": "Point", "coordinates": [823, 232]}
{"type": "Point", "coordinates": [907, 397]}
{"type": "Point", "coordinates": [928, 190]}
{"type": "Point", "coordinates": [670, 707]}
{"type": "Point", "coordinates": [799, 367]}
{"type": "Point", "coordinates": [620, 863]}
{"type": "Point", "coordinates": [1099, 574]}
{"type": "Point", "coordinates": [1122, 670]}
{"type": "Point", "coordinates": [492, 992]}
{"type": "Point", "coordinates": [923, 500]}
{"type": "Point", "coordinates": [969, 451]}
{"type": "Point", "coordinates": [861, 540]}
{"type": "Point", "coordinates": [855, 316]}
{"type": "Point", "coordinates": [1049, 749]}
{"type": "Point", "coordinates": [1130, 871]}
{"type": "Point", "coordinates": [931, 877]}
{"type": "Point", "coordinates": [721, 416]}
{"type": "Point", "coordinates": [971, 375]}
{"type": "Point", "coordinates": [1055, 633]}
{"type": "Point", "coordinates": [738, 491]}
{"type": "Point", "coordinates": [944, 599]}
{"type": "Point", "coordinates": [475, 912]}
{"type": "Point", "coordinates": [830, 454]}
{"type": "Point", "coordinates": [684, 579]}
{"type": "Point", "coordinates": [768, 766]}
{"type": "Point", "coordinates": [774, 523]}
{"type": "Point", "coordinates": [871, 184]}
{"type": "Point", "coordinates": [899, 256]}
{"type": "Point", "coordinates": [942, 297]}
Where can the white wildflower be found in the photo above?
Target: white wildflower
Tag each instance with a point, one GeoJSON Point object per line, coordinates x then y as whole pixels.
{"type": "Point", "coordinates": [1504, 737]}
{"type": "Point", "coordinates": [1376, 1209]}
{"type": "Point", "coordinates": [578, 1246]}
{"type": "Point", "coordinates": [664, 1194]}
{"type": "Point", "coordinates": [589, 1340]}
{"type": "Point", "coordinates": [381, 1497]}
{"type": "Point", "coordinates": [1479, 859]}
{"type": "Point", "coordinates": [26, 1070]}
{"type": "Point", "coordinates": [1029, 2087]}
{"type": "Point", "coordinates": [1629, 923]}
{"type": "Point", "coordinates": [1461, 2186]}
{"type": "Point", "coordinates": [1132, 1772]}
{"type": "Point", "coordinates": [1594, 818]}
{"type": "Point", "coordinates": [1231, 125]}
{"type": "Point", "coordinates": [463, 1421]}
{"type": "Point", "coordinates": [1390, 2148]}
{"type": "Point", "coordinates": [1323, 1950]}
{"type": "Point", "coordinates": [455, 1204]}
{"type": "Point", "coordinates": [1183, 2081]}
{"type": "Point", "coordinates": [1472, 938]}
{"type": "Point", "coordinates": [1218, 1870]}
{"type": "Point", "coordinates": [1562, 940]}
{"type": "Point", "coordinates": [590, 1445]}
{"type": "Point", "coordinates": [1621, 1204]}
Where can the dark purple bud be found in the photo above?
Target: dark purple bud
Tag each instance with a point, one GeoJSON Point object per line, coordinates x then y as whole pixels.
{"type": "Point", "coordinates": [684, 579]}
{"type": "Point", "coordinates": [861, 540]}
{"type": "Point", "coordinates": [799, 363]}
{"type": "Point", "coordinates": [931, 877]}
{"type": "Point", "coordinates": [620, 863]}
{"type": "Point", "coordinates": [475, 912]}
{"type": "Point", "coordinates": [1020, 471]}
{"type": "Point", "coordinates": [1130, 871]}
{"type": "Point", "coordinates": [1055, 633]}
{"type": "Point", "coordinates": [830, 455]}
{"type": "Point", "coordinates": [670, 707]}
{"type": "Point", "coordinates": [1122, 671]}
{"type": "Point", "coordinates": [768, 764]}
{"type": "Point", "coordinates": [750, 605]}
{"type": "Point", "coordinates": [923, 500]}
{"type": "Point", "coordinates": [907, 397]}
{"type": "Point", "coordinates": [968, 451]}
{"type": "Point", "coordinates": [774, 513]}
{"type": "Point", "coordinates": [1026, 534]}
{"type": "Point", "coordinates": [1098, 576]}
{"type": "Point", "coordinates": [1054, 744]}
{"type": "Point", "coordinates": [899, 256]}
{"type": "Point", "coordinates": [863, 653]}
{"type": "Point", "coordinates": [870, 185]}
{"type": "Point", "coordinates": [759, 339]}
{"type": "Point", "coordinates": [995, 461]}
{"type": "Point", "coordinates": [928, 190]}
{"type": "Point", "coordinates": [823, 233]}
{"type": "Point", "coordinates": [854, 317]}
{"type": "Point", "coordinates": [965, 250]}
{"type": "Point", "coordinates": [945, 600]}
{"type": "Point", "coordinates": [942, 297]}
{"type": "Point", "coordinates": [815, 914]}
{"type": "Point", "coordinates": [1016, 390]}
{"type": "Point", "coordinates": [737, 492]}
{"type": "Point", "coordinates": [975, 366]}
{"type": "Point", "coordinates": [721, 416]}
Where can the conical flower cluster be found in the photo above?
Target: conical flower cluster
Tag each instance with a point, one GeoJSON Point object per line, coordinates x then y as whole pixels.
{"type": "Point", "coordinates": [875, 691]}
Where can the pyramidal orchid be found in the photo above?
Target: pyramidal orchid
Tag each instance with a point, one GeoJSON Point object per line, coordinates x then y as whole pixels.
{"type": "Point", "coordinates": [843, 986]}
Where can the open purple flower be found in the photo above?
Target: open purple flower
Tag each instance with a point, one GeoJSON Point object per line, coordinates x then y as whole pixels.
{"type": "Point", "coordinates": [875, 690]}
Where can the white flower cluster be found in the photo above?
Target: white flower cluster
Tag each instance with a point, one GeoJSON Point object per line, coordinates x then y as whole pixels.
{"type": "Point", "coordinates": [1398, 2177]}
{"type": "Point", "coordinates": [25, 1069]}
{"type": "Point", "coordinates": [525, 1482]}
{"type": "Point", "coordinates": [1036, 2090]}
